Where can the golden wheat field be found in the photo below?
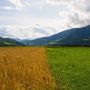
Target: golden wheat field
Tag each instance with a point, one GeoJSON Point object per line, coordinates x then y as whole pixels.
{"type": "Point", "coordinates": [24, 68]}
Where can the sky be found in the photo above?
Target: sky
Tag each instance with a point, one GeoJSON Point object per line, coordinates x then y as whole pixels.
{"type": "Point", "coordinates": [37, 18]}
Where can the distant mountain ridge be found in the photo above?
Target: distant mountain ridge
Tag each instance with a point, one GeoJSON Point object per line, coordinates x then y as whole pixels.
{"type": "Point", "coordinates": [9, 42]}
{"type": "Point", "coordinates": [75, 36]}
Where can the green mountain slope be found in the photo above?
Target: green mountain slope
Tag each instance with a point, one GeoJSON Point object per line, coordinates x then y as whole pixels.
{"type": "Point", "coordinates": [9, 42]}
{"type": "Point", "coordinates": [75, 36]}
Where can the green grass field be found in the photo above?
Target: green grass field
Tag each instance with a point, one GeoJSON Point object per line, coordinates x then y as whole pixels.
{"type": "Point", "coordinates": [70, 67]}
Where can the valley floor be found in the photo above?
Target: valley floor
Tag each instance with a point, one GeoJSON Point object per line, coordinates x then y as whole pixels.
{"type": "Point", "coordinates": [28, 68]}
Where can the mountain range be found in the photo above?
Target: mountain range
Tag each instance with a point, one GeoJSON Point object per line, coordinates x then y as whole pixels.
{"type": "Point", "coordinates": [9, 42]}
{"type": "Point", "coordinates": [71, 37]}
{"type": "Point", "coordinates": [74, 36]}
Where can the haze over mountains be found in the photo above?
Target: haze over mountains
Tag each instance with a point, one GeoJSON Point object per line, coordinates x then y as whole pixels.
{"type": "Point", "coordinates": [29, 31]}
{"type": "Point", "coordinates": [9, 42]}
{"type": "Point", "coordinates": [32, 19]}
{"type": "Point", "coordinates": [75, 36]}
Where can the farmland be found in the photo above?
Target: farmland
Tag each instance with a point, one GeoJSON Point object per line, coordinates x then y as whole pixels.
{"type": "Point", "coordinates": [44, 68]}
{"type": "Point", "coordinates": [70, 67]}
{"type": "Point", "coordinates": [24, 68]}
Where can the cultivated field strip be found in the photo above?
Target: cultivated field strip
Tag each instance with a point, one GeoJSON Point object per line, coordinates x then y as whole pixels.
{"type": "Point", "coordinates": [24, 68]}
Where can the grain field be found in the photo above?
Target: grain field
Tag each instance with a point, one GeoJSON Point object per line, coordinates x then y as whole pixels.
{"type": "Point", "coordinates": [24, 68]}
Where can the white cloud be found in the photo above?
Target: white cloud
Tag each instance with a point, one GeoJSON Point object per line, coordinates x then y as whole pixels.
{"type": "Point", "coordinates": [80, 12]}
{"type": "Point", "coordinates": [52, 16]}
{"type": "Point", "coordinates": [7, 8]}
{"type": "Point", "coordinates": [14, 4]}
{"type": "Point", "coordinates": [77, 13]}
{"type": "Point", "coordinates": [58, 2]}
{"type": "Point", "coordinates": [29, 31]}
{"type": "Point", "coordinates": [17, 3]}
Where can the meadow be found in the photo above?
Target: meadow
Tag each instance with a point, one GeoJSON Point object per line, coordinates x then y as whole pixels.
{"type": "Point", "coordinates": [70, 67]}
{"type": "Point", "coordinates": [24, 68]}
